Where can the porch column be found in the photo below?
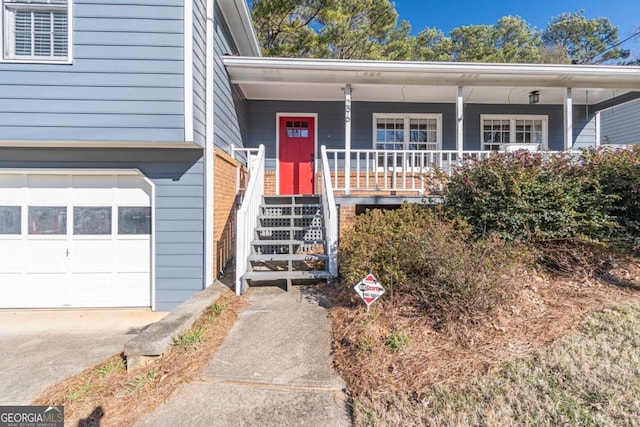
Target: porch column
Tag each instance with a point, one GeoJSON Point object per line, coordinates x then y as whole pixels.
{"type": "Point", "coordinates": [347, 139]}
{"type": "Point", "coordinates": [568, 120]}
{"type": "Point", "coordinates": [460, 124]}
{"type": "Point", "coordinates": [597, 125]}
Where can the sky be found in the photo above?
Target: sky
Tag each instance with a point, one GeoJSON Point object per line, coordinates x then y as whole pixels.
{"type": "Point", "coordinates": [448, 14]}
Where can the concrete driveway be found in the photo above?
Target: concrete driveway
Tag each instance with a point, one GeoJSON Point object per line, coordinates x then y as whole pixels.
{"type": "Point", "coordinates": [43, 347]}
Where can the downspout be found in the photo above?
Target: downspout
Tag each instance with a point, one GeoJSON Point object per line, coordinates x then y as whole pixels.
{"type": "Point", "coordinates": [209, 157]}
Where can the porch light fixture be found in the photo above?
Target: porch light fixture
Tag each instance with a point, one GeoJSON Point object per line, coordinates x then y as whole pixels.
{"type": "Point", "coordinates": [534, 97]}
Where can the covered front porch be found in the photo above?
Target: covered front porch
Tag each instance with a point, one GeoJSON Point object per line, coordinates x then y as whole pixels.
{"type": "Point", "coordinates": [386, 124]}
{"type": "Point", "coordinates": [363, 133]}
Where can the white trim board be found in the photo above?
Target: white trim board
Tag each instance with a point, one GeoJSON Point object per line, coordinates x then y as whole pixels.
{"type": "Point", "coordinates": [188, 70]}
{"type": "Point", "coordinates": [98, 144]}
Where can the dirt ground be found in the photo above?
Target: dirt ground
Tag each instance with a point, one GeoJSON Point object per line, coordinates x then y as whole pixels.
{"type": "Point", "coordinates": [544, 309]}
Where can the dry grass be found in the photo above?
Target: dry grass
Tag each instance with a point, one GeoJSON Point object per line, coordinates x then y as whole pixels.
{"type": "Point", "coordinates": [497, 371]}
{"type": "Point", "coordinates": [107, 395]}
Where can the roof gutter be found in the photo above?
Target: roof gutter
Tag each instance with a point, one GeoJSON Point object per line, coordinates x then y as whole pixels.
{"type": "Point", "coordinates": [426, 67]}
{"type": "Point", "coordinates": [237, 15]}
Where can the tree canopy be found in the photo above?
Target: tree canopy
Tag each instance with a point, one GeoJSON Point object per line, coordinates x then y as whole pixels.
{"type": "Point", "coordinates": [369, 29]}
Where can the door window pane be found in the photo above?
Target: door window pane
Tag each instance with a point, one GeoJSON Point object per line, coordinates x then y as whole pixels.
{"type": "Point", "coordinates": [92, 220]}
{"type": "Point", "coordinates": [47, 220]}
{"type": "Point", "coordinates": [134, 220]}
{"type": "Point", "coordinates": [10, 220]}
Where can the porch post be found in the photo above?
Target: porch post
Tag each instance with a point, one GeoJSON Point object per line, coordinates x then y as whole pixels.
{"type": "Point", "coordinates": [568, 120]}
{"type": "Point", "coordinates": [460, 124]}
{"type": "Point", "coordinates": [347, 139]}
{"type": "Point", "coordinates": [597, 125]}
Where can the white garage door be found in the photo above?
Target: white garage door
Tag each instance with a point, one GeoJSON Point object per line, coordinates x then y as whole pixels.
{"type": "Point", "coordinates": [77, 240]}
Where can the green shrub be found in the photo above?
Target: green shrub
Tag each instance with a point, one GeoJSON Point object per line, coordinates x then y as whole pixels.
{"type": "Point", "coordinates": [432, 259]}
{"type": "Point", "coordinates": [529, 196]}
{"type": "Point", "coordinates": [617, 173]}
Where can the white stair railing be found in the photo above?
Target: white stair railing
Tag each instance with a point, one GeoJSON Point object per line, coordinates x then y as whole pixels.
{"type": "Point", "coordinates": [330, 212]}
{"type": "Point", "coordinates": [247, 218]}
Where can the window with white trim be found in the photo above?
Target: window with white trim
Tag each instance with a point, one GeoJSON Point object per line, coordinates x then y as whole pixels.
{"type": "Point", "coordinates": [36, 30]}
{"type": "Point", "coordinates": [407, 131]}
{"type": "Point", "coordinates": [498, 130]}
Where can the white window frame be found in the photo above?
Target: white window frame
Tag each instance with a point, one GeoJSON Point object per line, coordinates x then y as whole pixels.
{"type": "Point", "coordinates": [5, 31]}
{"type": "Point", "coordinates": [407, 118]}
{"type": "Point", "coordinates": [512, 127]}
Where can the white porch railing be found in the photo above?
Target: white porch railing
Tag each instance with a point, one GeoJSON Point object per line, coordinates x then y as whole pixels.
{"type": "Point", "coordinates": [392, 170]}
{"type": "Point", "coordinates": [247, 218]}
{"type": "Point", "coordinates": [243, 155]}
{"type": "Point", "coordinates": [330, 215]}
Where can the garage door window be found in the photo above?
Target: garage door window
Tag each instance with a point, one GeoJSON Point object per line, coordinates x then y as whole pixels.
{"type": "Point", "coordinates": [10, 217]}
{"type": "Point", "coordinates": [47, 220]}
{"type": "Point", "coordinates": [134, 220]}
{"type": "Point", "coordinates": [91, 220]}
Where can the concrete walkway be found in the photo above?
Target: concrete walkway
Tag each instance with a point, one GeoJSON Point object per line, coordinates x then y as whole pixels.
{"type": "Point", "coordinates": [274, 369]}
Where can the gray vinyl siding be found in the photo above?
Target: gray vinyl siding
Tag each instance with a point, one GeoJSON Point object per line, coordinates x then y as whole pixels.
{"type": "Point", "coordinates": [199, 72]}
{"type": "Point", "coordinates": [229, 108]}
{"type": "Point", "coordinates": [584, 127]}
{"type": "Point", "coordinates": [262, 122]}
{"type": "Point", "coordinates": [179, 216]}
{"type": "Point", "coordinates": [125, 83]}
{"type": "Point", "coordinates": [621, 124]}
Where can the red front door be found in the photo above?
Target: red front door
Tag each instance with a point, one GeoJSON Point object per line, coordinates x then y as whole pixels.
{"type": "Point", "coordinates": [297, 142]}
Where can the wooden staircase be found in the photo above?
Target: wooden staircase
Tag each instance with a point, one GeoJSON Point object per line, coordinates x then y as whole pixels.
{"type": "Point", "coordinates": [289, 241]}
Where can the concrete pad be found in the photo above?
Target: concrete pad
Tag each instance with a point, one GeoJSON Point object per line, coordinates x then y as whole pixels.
{"type": "Point", "coordinates": [211, 404]}
{"type": "Point", "coordinates": [275, 368]}
{"type": "Point", "coordinates": [43, 347]}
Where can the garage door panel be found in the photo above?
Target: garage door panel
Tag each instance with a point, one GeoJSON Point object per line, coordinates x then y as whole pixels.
{"type": "Point", "coordinates": [29, 291]}
{"type": "Point", "coordinates": [130, 191]}
{"type": "Point", "coordinates": [44, 290]}
{"type": "Point", "coordinates": [12, 256]}
{"type": "Point", "coordinates": [48, 189]}
{"type": "Point", "coordinates": [133, 256]}
{"type": "Point", "coordinates": [13, 189]}
{"type": "Point", "coordinates": [128, 287]}
{"type": "Point", "coordinates": [92, 290]}
{"type": "Point", "coordinates": [92, 256]}
{"type": "Point", "coordinates": [47, 256]}
{"type": "Point", "coordinates": [92, 190]}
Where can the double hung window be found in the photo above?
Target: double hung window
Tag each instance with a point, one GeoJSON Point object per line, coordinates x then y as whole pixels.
{"type": "Point", "coordinates": [407, 132]}
{"type": "Point", "coordinates": [500, 130]}
{"type": "Point", "coordinates": [36, 30]}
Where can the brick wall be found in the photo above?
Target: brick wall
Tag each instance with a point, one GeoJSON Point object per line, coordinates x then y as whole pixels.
{"type": "Point", "coordinates": [224, 201]}
{"type": "Point", "coordinates": [346, 217]}
{"type": "Point", "coordinates": [270, 182]}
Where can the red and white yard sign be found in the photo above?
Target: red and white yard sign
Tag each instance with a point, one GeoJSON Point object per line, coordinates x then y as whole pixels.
{"type": "Point", "coordinates": [369, 289]}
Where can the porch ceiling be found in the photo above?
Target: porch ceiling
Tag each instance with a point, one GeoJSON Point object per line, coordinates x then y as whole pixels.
{"type": "Point", "coordinates": [323, 80]}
